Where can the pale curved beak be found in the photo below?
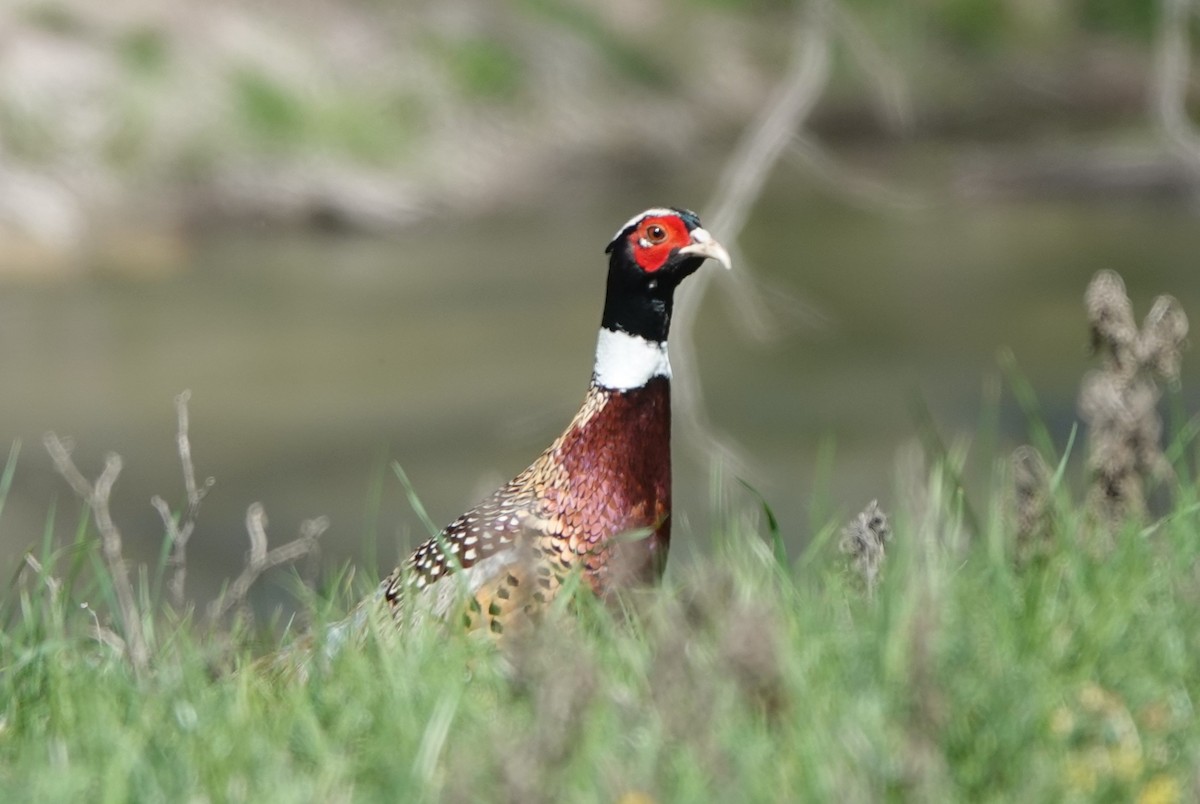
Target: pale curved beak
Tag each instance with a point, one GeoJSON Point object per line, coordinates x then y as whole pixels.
{"type": "Point", "coordinates": [703, 245]}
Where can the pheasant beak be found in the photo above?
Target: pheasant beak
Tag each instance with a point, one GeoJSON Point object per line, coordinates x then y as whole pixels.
{"type": "Point", "coordinates": [704, 246]}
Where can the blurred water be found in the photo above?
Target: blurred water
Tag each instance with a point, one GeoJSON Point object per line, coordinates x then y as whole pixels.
{"type": "Point", "coordinates": [461, 348]}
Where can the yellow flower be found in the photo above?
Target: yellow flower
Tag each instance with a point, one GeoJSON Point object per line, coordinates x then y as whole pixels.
{"type": "Point", "coordinates": [1062, 722]}
{"type": "Point", "coordinates": [1081, 775]}
{"type": "Point", "coordinates": [1126, 761]}
{"type": "Point", "coordinates": [1095, 698]}
{"type": "Point", "coordinates": [1162, 789]}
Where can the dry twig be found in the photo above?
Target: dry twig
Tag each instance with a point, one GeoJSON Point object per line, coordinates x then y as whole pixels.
{"type": "Point", "coordinates": [1170, 90]}
{"type": "Point", "coordinates": [105, 636]}
{"type": "Point", "coordinates": [739, 186]}
{"type": "Point", "coordinates": [261, 559]}
{"type": "Point", "coordinates": [777, 132]}
{"type": "Point", "coordinates": [179, 531]}
{"type": "Point", "coordinates": [53, 585]}
{"type": "Point", "coordinates": [97, 498]}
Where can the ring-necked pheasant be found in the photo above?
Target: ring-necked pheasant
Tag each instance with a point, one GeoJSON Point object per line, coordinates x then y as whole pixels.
{"type": "Point", "coordinates": [598, 500]}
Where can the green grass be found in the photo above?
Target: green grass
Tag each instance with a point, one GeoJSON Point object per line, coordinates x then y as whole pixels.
{"type": "Point", "coordinates": [962, 679]}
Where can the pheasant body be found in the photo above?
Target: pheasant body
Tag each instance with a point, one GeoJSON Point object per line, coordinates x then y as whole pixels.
{"type": "Point", "coordinates": [598, 500]}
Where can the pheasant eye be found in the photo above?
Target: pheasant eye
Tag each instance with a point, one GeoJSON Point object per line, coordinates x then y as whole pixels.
{"type": "Point", "coordinates": [655, 233]}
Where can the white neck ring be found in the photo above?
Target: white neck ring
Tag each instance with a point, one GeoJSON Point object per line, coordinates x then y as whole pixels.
{"type": "Point", "coordinates": [625, 361]}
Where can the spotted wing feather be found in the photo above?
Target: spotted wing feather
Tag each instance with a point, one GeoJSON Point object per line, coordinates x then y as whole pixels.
{"type": "Point", "coordinates": [487, 529]}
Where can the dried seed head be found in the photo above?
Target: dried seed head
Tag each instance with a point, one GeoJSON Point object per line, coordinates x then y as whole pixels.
{"type": "Point", "coordinates": [863, 541]}
{"type": "Point", "coordinates": [1031, 475]}
{"type": "Point", "coordinates": [1164, 335]}
{"type": "Point", "coordinates": [1031, 502]}
{"type": "Point", "coordinates": [1110, 316]}
{"type": "Point", "coordinates": [1119, 402]}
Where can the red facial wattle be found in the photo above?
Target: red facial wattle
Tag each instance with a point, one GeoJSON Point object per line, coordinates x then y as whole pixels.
{"type": "Point", "coordinates": [651, 252]}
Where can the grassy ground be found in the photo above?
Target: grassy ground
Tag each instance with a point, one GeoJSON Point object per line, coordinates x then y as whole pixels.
{"type": "Point", "coordinates": [964, 677]}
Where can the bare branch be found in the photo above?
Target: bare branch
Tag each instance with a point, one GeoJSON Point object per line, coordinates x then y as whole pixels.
{"type": "Point", "coordinates": [1172, 66]}
{"type": "Point", "coordinates": [53, 585]}
{"type": "Point", "coordinates": [178, 532]}
{"type": "Point", "coordinates": [260, 559]}
{"type": "Point", "coordinates": [808, 152]}
{"type": "Point", "coordinates": [778, 132]}
{"type": "Point", "coordinates": [111, 543]}
{"type": "Point", "coordinates": [892, 91]}
{"type": "Point", "coordinates": [105, 636]}
{"type": "Point", "coordinates": [740, 184]}
{"type": "Point", "coordinates": [60, 453]}
{"type": "Point", "coordinates": [97, 498]}
{"type": "Point", "coordinates": [194, 493]}
{"type": "Point", "coordinates": [178, 535]}
{"type": "Point", "coordinates": [256, 525]}
{"type": "Point", "coordinates": [768, 136]}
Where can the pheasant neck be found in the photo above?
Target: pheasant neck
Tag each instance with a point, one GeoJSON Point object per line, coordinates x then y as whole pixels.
{"type": "Point", "coordinates": [625, 361]}
{"type": "Point", "coordinates": [637, 303]}
{"type": "Point", "coordinates": [632, 348]}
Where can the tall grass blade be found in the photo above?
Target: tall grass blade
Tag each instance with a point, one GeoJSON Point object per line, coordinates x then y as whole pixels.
{"type": "Point", "coordinates": [987, 437]}
{"type": "Point", "coordinates": [1027, 400]}
{"type": "Point", "coordinates": [817, 545]}
{"type": "Point", "coordinates": [414, 500]}
{"type": "Point", "coordinates": [79, 550]}
{"type": "Point", "coordinates": [160, 568]}
{"type": "Point", "coordinates": [1186, 430]}
{"type": "Point", "coordinates": [936, 448]}
{"type": "Point", "coordinates": [448, 555]}
{"type": "Point", "coordinates": [437, 729]}
{"type": "Point", "coordinates": [1174, 516]}
{"type": "Point", "coordinates": [820, 507]}
{"type": "Point", "coordinates": [374, 508]}
{"type": "Point", "coordinates": [1061, 469]}
{"type": "Point", "coordinates": [774, 534]}
{"type": "Point", "coordinates": [10, 468]}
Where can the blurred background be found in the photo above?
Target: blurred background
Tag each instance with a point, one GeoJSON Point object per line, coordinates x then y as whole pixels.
{"type": "Point", "coordinates": [363, 232]}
